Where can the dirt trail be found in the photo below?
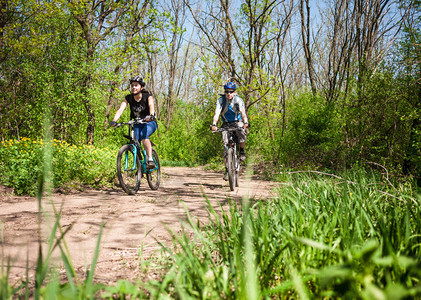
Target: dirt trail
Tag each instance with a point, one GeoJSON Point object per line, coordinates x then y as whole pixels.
{"type": "Point", "coordinates": [131, 222]}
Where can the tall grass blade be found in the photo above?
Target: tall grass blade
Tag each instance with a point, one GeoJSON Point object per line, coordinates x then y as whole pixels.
{"type": "Point", "coordinates": [90, 288]}
{"type": "Point", "coordinates": [250, 276]}
{"type": "Point", "coordinates": [298, 284]}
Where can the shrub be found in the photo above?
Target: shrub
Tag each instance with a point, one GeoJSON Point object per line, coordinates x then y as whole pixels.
{"type": "Point", "coordinates": [21, 164]}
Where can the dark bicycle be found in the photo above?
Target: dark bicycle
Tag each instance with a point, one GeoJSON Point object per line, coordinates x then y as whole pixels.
{"type": "Point", "coordinates": [232, 162]}
{"type": "Point", "coordinates": [132, 164]}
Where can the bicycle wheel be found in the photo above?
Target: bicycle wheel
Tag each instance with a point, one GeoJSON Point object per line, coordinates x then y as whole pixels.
{"type": "Point", "coordinates": [231, 168]}
{"type": "Point", "coordinates": [128, 169]}
{"type": "Point", "coordinates": [154, 175]}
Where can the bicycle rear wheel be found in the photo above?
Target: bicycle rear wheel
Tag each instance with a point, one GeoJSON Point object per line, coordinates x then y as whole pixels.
{"type": "Point", "coordinates": [154, 175]}
{"type": "Point", "coordinates": [129, 169]}
{"type": "Point", "coordinates": [231, 168]}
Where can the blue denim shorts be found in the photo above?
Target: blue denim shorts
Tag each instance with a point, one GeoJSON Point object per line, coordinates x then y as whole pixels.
{"type": "Point", "coordinates": [143, 131]}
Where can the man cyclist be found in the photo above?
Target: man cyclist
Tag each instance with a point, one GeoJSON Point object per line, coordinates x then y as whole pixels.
{"type": "Point", "coordinates": [232, 111]}
{"type": "Point", "coordinates": [141, 105]}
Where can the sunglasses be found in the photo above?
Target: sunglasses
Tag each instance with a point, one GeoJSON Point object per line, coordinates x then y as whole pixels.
{"type": "Point", "coordinates": [229, 92]}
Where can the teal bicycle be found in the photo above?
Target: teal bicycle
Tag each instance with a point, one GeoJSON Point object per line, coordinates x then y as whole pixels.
{"type": "Point", "coordinates": [132, 164]}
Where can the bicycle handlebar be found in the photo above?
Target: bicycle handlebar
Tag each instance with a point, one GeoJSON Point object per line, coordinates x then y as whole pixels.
{"type": "Point", "coordinates": [133, 122]}
{"type": "Point", "coordinates": [229, 129]}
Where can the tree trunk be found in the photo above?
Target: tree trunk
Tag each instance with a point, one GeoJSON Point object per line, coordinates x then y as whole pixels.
{"type": "Point", "coordinates": [305, 33]}
{"type": "Point", "coordinates": [90, 129]}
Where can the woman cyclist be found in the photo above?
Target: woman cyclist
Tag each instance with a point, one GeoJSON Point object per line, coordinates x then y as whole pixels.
{"type": "Point", "coordinates": [141, 105]}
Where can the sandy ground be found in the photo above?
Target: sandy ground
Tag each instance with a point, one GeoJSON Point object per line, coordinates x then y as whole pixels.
{"type": "Point", "coordinates": [134, 225]}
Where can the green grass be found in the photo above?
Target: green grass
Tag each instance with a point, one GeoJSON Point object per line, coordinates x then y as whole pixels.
{"type": "Point", "coordinates": [323, 237]}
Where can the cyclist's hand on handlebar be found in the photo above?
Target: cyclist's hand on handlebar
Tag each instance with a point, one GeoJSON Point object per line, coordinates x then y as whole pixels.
{"type": "Point", "coordinates": [213, 127]}
{"type": "Point", "coordinates": [149, 118]}
{"type": "Point", "coordinates": [246, 125]}
{"type": "Point", "coordinates": [113, 123]}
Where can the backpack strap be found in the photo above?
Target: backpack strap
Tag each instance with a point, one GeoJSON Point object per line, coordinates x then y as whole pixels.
{"type": "Point", "coordinates": [224, 108]}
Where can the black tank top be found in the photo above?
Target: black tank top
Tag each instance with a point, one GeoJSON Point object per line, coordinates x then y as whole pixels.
{"type": "Point", "coordinates": [139, 109]}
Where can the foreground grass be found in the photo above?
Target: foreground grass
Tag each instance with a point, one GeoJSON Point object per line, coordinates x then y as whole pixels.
{"type": "Point", "coordinates": [322, 237]}
{"type": "Point", "coordinates": [350, 237]}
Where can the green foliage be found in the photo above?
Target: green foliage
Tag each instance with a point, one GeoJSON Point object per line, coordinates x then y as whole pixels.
{"type": "Point", "coordinates": [40, 72]}
{"type": "Point", "coordinates": [6, 290]}
{"type": "Point", "coordinates": [409, 59]}
{"type": "Point", "coordinates": [324, 236]}
{"type": "Point", "coordinates": [123, 289]}
{"type": "Point", "coordinates": [266, 132]}
{"type": "Point", "coordinates": [312, 134]}
{"type": "Point", "coordinates": [189, 138]}
{"type": "Point", "coordinates": [22, 165]}
{"type": "Point", "coordinates": [375, 124]}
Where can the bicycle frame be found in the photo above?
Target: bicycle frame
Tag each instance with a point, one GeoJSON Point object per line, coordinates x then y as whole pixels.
{"type": "Point", "coordinates": [137, 148]}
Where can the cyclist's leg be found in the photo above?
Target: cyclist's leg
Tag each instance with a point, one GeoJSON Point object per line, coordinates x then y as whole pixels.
{"type": "Point", "coordinates": [241, 136]}
{"type": "Point", "coordinates": [147, 130]}
{"type": "Point", "coordinates": [225, 142]}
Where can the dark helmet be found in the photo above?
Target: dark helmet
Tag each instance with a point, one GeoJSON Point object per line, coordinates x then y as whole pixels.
{"type": "Point", "coordinates": [230, 86]}
{"type": "Point", "coordinates": [137, 78]}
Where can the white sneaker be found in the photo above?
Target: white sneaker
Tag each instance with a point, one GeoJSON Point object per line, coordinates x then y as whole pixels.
{"type": "Point", "coordinates": [242, 156]}
{"type": "Point", "coordinates": [151, 164]}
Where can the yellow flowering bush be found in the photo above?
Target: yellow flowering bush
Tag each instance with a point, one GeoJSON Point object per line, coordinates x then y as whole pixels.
{"type": "Point", "coordinates": [22, 164]}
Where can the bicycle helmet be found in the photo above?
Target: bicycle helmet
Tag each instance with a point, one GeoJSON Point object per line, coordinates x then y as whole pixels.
{"type": "Point", "coordinates": [137, 78]}
{"type": "Point", "coordinates": [230, 86]}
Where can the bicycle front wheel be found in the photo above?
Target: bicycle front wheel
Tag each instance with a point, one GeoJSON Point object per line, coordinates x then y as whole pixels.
{"type": "Point", "coordinates": [231, 168]}
{"type": "Point", "coordinates": [129, 169]}
{"type": "Point", "coordinates": [154, 175]}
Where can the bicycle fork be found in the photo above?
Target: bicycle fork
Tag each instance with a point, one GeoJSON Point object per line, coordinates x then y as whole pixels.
{"type": "Point", "coordinates": [126, 163]}
{"type": "Point", "coordinates": [143, 161]}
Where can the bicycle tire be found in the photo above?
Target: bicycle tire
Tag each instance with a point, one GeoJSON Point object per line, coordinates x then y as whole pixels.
{"type": "Point", "coordinates": [154, 175]}
{"type": "Point", "coordinates": [131, 175]}
{"type": "Point", "coordinates": [231, 168]}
